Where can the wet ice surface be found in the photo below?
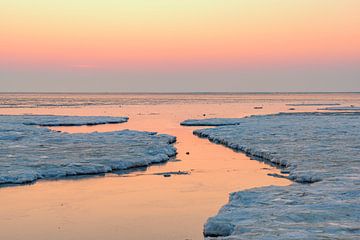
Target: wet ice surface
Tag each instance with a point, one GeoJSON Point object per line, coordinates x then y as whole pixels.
{"type": "Point", "coordinates": [318, 148]}
{"type": "Point", "coordinates": [29, 152]}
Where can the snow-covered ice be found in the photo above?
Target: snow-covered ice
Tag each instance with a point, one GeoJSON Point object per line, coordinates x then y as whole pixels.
{"type": "Point", "coordinates": [321, 153]}
{"type": "Point", "coordinates": [29, 152]}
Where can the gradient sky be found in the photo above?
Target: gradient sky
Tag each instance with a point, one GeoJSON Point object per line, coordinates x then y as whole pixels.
{"type": "Point", "coordinates": [180, 45]}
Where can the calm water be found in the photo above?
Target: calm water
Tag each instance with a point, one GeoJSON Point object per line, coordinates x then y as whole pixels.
{"type": "Point", "coordinates": [141, 204]}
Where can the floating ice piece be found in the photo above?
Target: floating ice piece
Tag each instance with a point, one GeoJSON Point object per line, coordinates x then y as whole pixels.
{"type": "Point", "coordinates": [211, 122]}
{"type": "Point", "coordinates": [52, 120]}
{"type": "Point", "coordinates": [173, 173]}
{"type": "Point", "coordinates": [312, 104]}
{"type": "Point", "coordinates": [318, 148]}
{"type": "Point", "coordinates": [349, 108]}
{"type": "Point", "coordinates": [28, 153]}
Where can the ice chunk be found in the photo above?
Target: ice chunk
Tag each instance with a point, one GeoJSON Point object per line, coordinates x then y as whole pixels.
{"type": "Point", "coordinates": [322, 149]}
{"type": "Point", "coordinates": [28, 152]}
{"type": "Point", "coordinates": [211, 122]}
{"type": "Point", "coordinates": [312, 104]}
{"type": "Point", "coordinates": [349, 108]}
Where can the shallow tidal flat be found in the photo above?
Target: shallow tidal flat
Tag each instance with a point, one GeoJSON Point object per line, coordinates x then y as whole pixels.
{"type": "Point", "coordinates": [320, 152]}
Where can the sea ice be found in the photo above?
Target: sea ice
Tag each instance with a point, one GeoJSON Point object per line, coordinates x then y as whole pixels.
{"type": "Point", "coordinates": [211, 122]}
{"type": "Point", "coordinates": [321, 153]}
{"type": "Point", "coordinates": [349, 108]}
{"type": "Point", "coordinates": [312, 104]}
{"type": "Point", "coordinates": [29, 152]}
{"type": "Point", "coordinates": [52, 120]}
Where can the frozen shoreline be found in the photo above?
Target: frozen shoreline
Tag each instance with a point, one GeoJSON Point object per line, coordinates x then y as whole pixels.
{"type": "Point", "coordinates": [317, 148]}
{"type": "Point", "coordinates": [29, 152]}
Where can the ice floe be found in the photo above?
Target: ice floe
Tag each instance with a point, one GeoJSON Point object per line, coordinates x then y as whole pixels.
{"type": "Point", "coordinates": [312, 104]}
{"type": "Point", "coordinates": [211, 122]}
{"type": "Point", "coordinates": [321, 153]}
{"type": "Point", "coordinates": [347, 108]}
{"type": "Point", "coordinates": [52, 120]}
{"type": "Point", "coordinates": [29, 152]}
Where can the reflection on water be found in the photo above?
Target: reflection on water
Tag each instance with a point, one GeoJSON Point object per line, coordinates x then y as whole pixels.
{"type": "Point", "coordinates": [33, 100]}
{"type": "Point", "coordinates": [141, 204]}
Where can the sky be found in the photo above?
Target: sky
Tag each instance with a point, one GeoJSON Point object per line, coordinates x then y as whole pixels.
{"type": "Point", "coordinates": [179, 45]}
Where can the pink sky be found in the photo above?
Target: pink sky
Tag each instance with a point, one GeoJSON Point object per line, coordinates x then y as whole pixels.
{"type": "Point", "coordinates": [173, 35]}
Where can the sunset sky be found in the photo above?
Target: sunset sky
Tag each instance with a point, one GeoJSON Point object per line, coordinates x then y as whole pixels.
{"type": "Point", "coordinates": [180, 45]}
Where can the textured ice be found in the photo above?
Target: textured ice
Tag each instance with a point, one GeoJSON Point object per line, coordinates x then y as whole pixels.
{"type": "Point", "coordinates": [52, 120]}
{"type": "Point", "coordinates": [211, 122]}
{"type": "Point", "coordinates": [318, 148]}
{"type": "Point", "coordinates": [29, 152]}
{"type": "Point", "coordinates": [349, 108]}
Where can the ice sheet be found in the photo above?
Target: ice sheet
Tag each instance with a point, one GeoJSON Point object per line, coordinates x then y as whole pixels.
{"type": "Point", "coordinates": [29, 152]}
{"type": "Point", "coordinates": [320, 152]}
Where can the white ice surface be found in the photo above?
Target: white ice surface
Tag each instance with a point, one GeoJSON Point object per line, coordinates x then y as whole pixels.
{"type": "Point", "coordinates": [318, 148]}
{"type": "Point", "coordinates": [29, 152]}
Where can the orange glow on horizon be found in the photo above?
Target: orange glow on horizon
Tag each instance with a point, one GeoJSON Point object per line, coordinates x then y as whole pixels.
{"type": "Point", "coordinates": [137, 35]}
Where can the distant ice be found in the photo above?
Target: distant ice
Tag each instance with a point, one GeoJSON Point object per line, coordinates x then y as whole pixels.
{"type": "Point", "coordinates": [119, 100]}
{"type": "Point", "coordinates": [52, 120]}
{"type": "Point", "coordinates": [28, 152]}
{"type": "Point", "coordinates": [211, 122]}
{"type": "Point", "coordinates": [349, 108]}
{"type": "Point", "coordinates": [321, 153]}
{"type": "Point", "coordinates": [312, 104]}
